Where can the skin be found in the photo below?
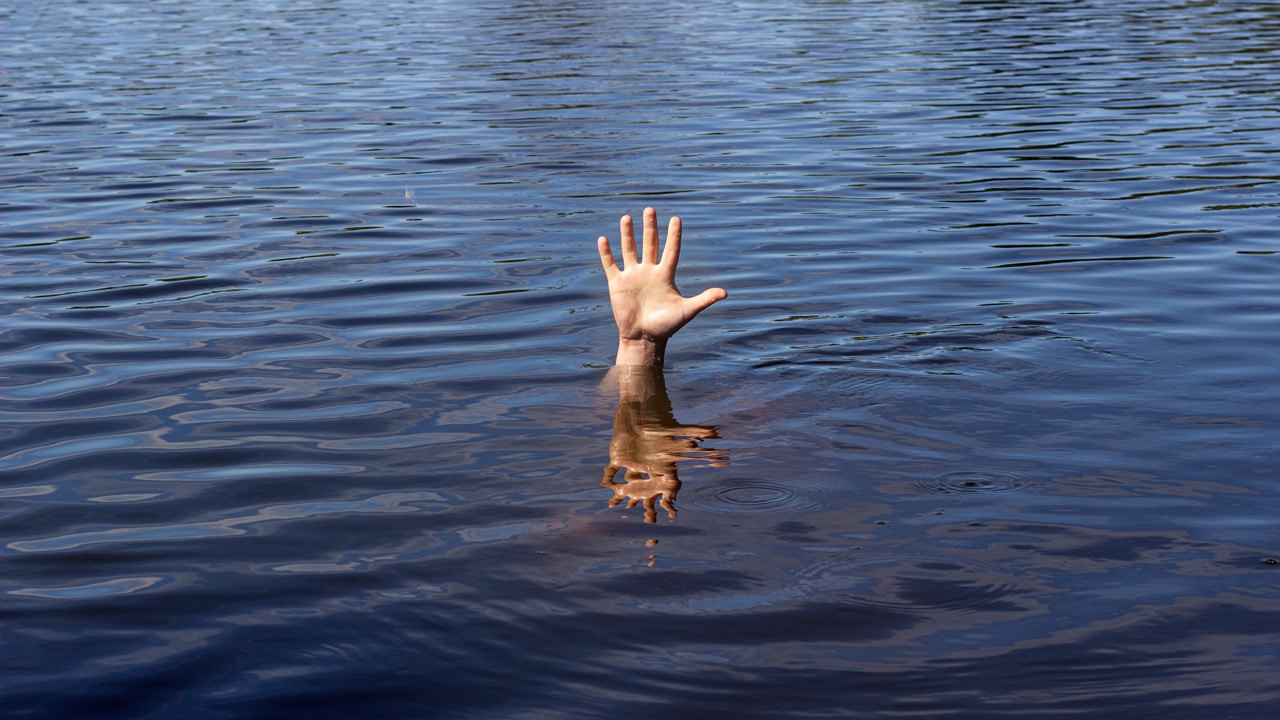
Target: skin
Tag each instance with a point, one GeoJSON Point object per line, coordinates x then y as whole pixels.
{"type": "Point", "coordinates": [647, 306]}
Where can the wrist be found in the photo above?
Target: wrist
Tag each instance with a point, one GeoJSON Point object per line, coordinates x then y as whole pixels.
{"type": "Point", "coordinates": [648, 352]}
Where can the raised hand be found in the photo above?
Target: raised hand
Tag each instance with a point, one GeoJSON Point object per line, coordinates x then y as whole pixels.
{"type": "Point", "coordinates": [647, 306]}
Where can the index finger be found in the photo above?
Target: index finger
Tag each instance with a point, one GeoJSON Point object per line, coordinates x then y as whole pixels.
{"type": "Point", "coordinates": [671, 253]}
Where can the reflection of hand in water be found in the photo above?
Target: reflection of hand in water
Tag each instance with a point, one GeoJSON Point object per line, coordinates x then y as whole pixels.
{"type": "Point", "coordinates": [648, 442]}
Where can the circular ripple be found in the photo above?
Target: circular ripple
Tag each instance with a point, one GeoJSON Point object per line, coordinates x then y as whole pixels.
{"type": "Point", "coordinates": [750, 496]}
{"type": "Point", "coordinates": [975, 481]}
{"type": "Point", "coordinates": [913, 584]}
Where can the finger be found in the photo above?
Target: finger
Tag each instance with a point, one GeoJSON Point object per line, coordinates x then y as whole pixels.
{"type": "Point", "coordinates": [650, 236]}
{"type": "Point", "coordinates": [628, 241]}
{"type": "Point", "coordinates": [703, 300]}
{"type": "Point", "coordinates": [610, 472]}
{"type": "Point", "coordinates": [671, 252]}
{"type": "Point", "coordinates": [606, 257]}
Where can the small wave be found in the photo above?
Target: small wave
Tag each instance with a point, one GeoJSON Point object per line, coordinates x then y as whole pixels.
{"type": "Point", "coordinates": [918, 584]}
{"type": "Point", "coordinates": [752, 496]}
{"type": "Point", "coordinates": [976, 481]}
{"type": "Point", "coordinates": [117, 586]}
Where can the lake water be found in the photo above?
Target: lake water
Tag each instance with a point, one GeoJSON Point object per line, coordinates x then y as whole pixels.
{"type": "Point", "coordinates": [305, 397]}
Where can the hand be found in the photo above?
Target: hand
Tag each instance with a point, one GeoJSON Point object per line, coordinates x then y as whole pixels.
{"type": "Point", "coordinates": [647, 306]}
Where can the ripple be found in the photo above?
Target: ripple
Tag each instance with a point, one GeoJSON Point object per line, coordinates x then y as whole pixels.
{"type": "Point", "coordinates": [918, 584]}
{"type": "Point", "coordinates": [27, 491]}
{"type": "Point", "coordinates": [117, 586]}
{"type": "Point", "coordinates": [242, 524]}
{"type": "Point", "coordinates": [124, 497]}
{"type": "Point", "coordinates": [249, 471]}
{"type": "Point", "coordinates": [751, 496]}
{"type": "Point", "coordinates": [976, 481]}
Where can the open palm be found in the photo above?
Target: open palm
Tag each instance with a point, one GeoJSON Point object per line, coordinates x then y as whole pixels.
{"type": "Point", "coordinates": [647, 306]}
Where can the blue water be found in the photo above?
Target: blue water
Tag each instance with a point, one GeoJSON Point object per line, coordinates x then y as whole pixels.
{"type": "Point", "coordinates": [305, 405]}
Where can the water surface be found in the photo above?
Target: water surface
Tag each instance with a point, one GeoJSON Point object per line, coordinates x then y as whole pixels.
{"type": "Point", "coordinates": [305, 403]}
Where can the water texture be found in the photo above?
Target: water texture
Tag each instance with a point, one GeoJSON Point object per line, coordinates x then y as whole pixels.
{"type": "Point", "coordinates": [305, 403]}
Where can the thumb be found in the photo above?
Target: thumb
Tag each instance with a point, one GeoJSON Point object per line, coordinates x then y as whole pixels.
{"type": "Point", "coordinates": [704, 300]}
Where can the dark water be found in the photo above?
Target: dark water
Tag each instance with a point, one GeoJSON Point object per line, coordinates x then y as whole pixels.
{"type": "Point", "coordinates": [305, 410]}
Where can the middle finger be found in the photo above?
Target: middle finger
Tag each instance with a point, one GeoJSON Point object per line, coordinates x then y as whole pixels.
{"type": "Point", "coordinates": [650, 236]}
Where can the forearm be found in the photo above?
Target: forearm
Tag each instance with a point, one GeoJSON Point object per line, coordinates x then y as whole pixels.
{"type": "Point", "coordinates": [646, 352]}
